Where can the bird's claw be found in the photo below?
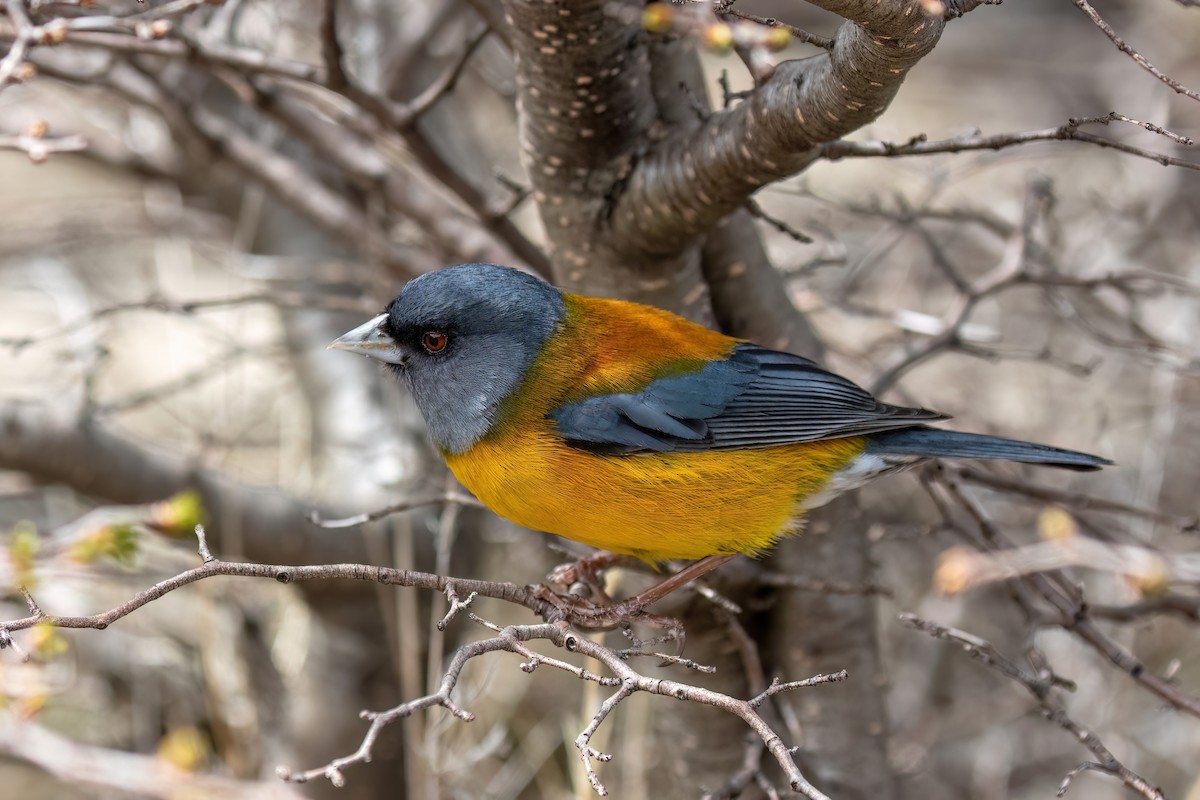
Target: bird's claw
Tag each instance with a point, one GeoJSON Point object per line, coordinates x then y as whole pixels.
{"type": "Point", "coordinates": [584, 614]}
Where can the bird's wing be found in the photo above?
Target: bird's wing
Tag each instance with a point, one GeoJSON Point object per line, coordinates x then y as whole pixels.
{"type": "Point", "coordinates": [753, 398]}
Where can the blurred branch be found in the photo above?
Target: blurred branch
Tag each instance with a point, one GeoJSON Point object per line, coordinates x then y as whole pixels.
{"type": "Point", "coordinates": [331, 47]}
{"type": "Point", "coordinates": [458, 498]}
{"type": "Point", "coordinates": [306, 194]}
{"type": "Point", "coordinates": [52, 445]}
{"type": "Point", "coordinates": [1041, 687]}
{"type": "Point", "coordinates": [283, 176]}
{"type": "Point", "coordinates": [11, 66]}
{"type": "Point", "coordinates": [749, 296]}
{"type": "Point", "coordinates": [167, 305]}
{"type": "Point", "coordinates": [1025, 261]}
{"type": "Point", "coordinates": [180, 46]}
{"type": "Point", "coordinates": [1076, 501]}
{"type": "Point", "coordinates": [34, 144]}
{"type": "Point", "coordinates": [118, 771]}
{"type": "Point", "coordinates": [1152, 570]}
{"type": "Point", "coordinates": [1068, 609]}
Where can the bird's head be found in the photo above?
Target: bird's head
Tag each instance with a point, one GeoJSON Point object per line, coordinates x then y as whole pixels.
{"type": "Point", "coordinates": [463, 339]}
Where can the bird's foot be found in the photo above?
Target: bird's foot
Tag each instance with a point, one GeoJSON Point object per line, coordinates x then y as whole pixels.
{"type": "Point", "coordinates": [595, 610]}
{"type": "Point", "coordinates": [584, 614]}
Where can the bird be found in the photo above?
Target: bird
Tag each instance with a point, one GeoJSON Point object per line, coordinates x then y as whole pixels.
{"type": "Point", "coordinates": [636, 431]}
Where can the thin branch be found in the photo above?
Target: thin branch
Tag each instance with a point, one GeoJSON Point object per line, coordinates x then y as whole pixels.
{"type": "Point", "coordinates": [1113, 116]}
{"type": "Point", "coordinates": [1138, 58]}
{"type": "Point", "coordinates": [757, 212]}
{"type": "Point", "coordinates": [919, 146]}
{"type": "Point", "coordinates": [381, 719]}
{"type": "Point", "coordinates": [776, 686]}
{"type": "Point", "coordinates": [799, 34]}
{"type": "Point", "coordinates": [120, 773]}
{"type": "Point", "coordinates": [457, 606]}
{"type": "Point", "coordinates": [415, 108]}
{"type": "Point", "coordinates": [962, 568]}
{"type": "Point", "coordinates": [166, 305]}
{"type": "Point", "coordinates": [179, 46]}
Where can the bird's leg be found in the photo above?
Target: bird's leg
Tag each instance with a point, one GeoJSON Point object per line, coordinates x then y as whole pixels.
{"type": "Point", "coordinates": [634, 606]}
{"type": "Point", "coordinates": [587, 569]}
{"type": "Point", "coordinates": [588, 615]}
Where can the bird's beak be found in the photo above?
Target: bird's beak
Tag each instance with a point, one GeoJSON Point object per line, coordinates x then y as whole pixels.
{"type": "Point", "coordinates": [370, 339]}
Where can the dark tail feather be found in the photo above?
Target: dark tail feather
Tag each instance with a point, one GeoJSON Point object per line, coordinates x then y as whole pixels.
{"type": "Point", "coordinates": [932, 442]}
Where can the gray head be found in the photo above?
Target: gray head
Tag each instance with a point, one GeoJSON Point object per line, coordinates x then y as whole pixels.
{"type": "Point", "coordinates": [462, 338]}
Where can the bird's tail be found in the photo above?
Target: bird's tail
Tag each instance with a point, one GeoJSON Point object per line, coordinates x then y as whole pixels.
{"type": "Point", "coordinates": [928, 442]}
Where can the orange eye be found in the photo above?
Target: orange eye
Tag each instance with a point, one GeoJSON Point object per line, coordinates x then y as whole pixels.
{"type": "Point", "coordinates": [434, 341]}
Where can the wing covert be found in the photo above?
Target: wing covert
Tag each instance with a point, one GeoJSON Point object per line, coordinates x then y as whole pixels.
{"type": "Point", "coordinates": [754, 398]}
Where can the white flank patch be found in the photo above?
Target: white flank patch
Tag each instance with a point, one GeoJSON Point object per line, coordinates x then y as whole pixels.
{"type": "Point", "coordinates": [858, 472]}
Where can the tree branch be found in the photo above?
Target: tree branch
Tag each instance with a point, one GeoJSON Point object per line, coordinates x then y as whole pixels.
{"type": "Point", "coordinates": [509, 639]}
{"type": "Point", "coordinates": [1138, 58]}
{"type": "Point", "coordinates": [684, 185]}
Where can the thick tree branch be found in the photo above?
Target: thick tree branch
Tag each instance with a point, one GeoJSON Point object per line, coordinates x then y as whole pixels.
{"type": "Point", "coordinates": [685, 185]}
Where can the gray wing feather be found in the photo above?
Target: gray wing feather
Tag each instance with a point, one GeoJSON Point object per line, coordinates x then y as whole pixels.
{"type": "Point", "coordinates": [755, 398]}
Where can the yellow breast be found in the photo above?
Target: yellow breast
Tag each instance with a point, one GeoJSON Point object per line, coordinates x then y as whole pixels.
{"type": "Point", "coordinates": [656, 506]}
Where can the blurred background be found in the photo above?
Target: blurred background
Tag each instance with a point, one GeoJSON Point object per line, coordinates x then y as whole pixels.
{"type": "Point", "coordinates": [167, 292]}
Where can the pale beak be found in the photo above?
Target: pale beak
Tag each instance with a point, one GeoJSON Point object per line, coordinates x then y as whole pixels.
{"type": "Point", "coordinates": [370, 339]}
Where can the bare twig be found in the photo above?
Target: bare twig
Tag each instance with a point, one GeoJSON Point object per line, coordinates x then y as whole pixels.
{"type": "Point", "coordinates": [726, 9]}
{"type": "Point", "coordinates": [1113, 116]}
{"type": "Point", "coordinates": [757, 212]}
{"type": "Point", "coordinates": [776, 687]}
{"type": "Point", "coordinates": [919, 146]}
{"type": "Point", "coordinates": [202, 545]}
{"type": "Point", "coordinates": [1138, 58]}
{"type": "Point", "coordinates": [456, 606]}
{"type": "Point", "coordinates": [444, 83]}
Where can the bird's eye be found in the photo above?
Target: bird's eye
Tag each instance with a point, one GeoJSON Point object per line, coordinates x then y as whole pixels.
{"type": "Point", "coordinates": [434, 341]}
